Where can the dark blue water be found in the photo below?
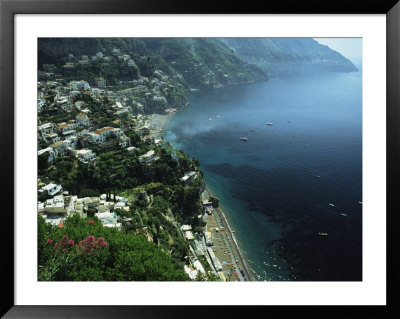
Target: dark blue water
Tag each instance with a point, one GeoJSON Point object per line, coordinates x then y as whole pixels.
{"type": "Point", "coordinates": [276, 187]}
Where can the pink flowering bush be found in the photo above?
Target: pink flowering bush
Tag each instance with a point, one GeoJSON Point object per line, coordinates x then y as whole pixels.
{"type": "Point", "coordinates": [90, 244]}
{"type": "Point", "coordinates": [61, 245]}
{"type": "Point", "coordinates": [49, 241]}
{"type": "Point", "coordinates": [70, 242]}
{"type": "Point", "coordinates": [91, 222]}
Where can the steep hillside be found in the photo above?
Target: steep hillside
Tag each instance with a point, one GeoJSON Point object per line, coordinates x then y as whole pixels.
{"type": "Point", "coordinates": [278, 56]}
{"type": "Point", "coordinates": [194, 63]}
{"type": "Point", "coordinates": [204, 63]}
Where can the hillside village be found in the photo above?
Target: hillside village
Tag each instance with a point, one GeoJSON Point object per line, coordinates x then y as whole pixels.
{"type": "Point", "coordinates": [82, 127]}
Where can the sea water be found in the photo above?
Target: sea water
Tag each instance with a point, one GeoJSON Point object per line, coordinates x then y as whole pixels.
{"type": "Point", "coordinates": [293, 191]}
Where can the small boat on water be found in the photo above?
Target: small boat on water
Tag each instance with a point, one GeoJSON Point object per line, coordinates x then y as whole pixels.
{"type": "Point", "coordinates": [343, 214]}
{"type": "Point", "coordinates": [323, 234]}
{"type": "Point", "coordinates": [210, 119]}
{"type": "Point", "coordinates": [217, 116]}
{"type": "Point", "coordinates": [317, 176]}
{"type": "Point", "coordinates": [360, 202]}
{"type": "Point", "coordinates": [244, 139]}
{"type": "Point", "coordinates": [269, 123]}
{"type": "Point", "coordinates": [330, 204]}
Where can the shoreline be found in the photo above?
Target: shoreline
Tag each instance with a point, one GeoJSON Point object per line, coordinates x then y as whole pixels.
{"type": "Point", "coordinates": [222, 214]}
{"type": "Point", "coordinates": [219, 210]}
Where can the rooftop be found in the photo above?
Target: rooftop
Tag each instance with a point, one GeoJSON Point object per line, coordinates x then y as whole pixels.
{"type": "Point", "coordinates": [104, 129]}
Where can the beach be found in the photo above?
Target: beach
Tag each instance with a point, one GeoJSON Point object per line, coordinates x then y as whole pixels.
{"type": "Point", "coordinates": [225, 247]}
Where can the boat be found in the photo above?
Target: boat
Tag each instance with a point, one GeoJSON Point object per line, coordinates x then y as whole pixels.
{"type": "Point", "coordinates": [244, 139]}
{"type": "Point", "coordinates": [323, 234]}
{"type": "Point", "coordinates": [330, 204]}
{"type": "Point", "coordinates": [360, 202]}
{"type": "Point", "coordinates": [217, 116]}
{"type": "Point", "coordinates": [210, 119]}
{"type": "Point", "coordinates": [269, 123]}
{"type": "Point", "coordinates": [343, 214]}
{"type": "Point", "coordinates": [317, 176]}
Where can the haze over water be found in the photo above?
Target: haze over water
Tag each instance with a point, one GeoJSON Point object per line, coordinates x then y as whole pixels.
{"type": "Point", "coordinates": [276, 187]}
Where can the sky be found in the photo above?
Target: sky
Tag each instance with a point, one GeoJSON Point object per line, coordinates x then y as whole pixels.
{"type": "Point", "coordinates": [350, 48]}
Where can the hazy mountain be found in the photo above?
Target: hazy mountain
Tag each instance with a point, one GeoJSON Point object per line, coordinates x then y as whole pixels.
{"type": "Point", "coordinates": [278, 56]}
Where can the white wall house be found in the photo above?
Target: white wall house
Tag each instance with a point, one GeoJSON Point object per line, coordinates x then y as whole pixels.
{"type": "Point", "coordinates": [108, 219]}
{"type": "Point", "coordinates": [82, 119]}
{"type": "Point", "coordinates": [52, 155]}
{"type": "Point", "coordinates": [149, 157]}
{"type": "Point", "coordinates": [46, 128]}
{"type": "Point", "coordinates": [60, 148]}
{"type": "Point", "coordinates": [100, 135]}
{"type": "Point", "coordinates": [79, 85]}
{"type": "Point", "coordinates": [51, 189]}
{"type": "Point", "coordinates": [65, 127]}
{"type": "Point", "coordinates": [85, 156]}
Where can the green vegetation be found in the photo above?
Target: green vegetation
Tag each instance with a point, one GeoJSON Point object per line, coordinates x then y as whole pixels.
{"type": "Point", "coordinates": [214, 201]}
{"type": "Point", "coordinates": [84, 250]}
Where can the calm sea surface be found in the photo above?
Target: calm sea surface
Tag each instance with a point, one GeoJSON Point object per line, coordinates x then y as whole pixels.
{"type": "Point", "coordinates": [276, 187]}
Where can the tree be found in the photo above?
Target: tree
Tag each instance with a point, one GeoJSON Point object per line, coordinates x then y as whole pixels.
{"type": "Point", "coordinates": [43, 162]}
{"type": "Point", "coordinates": [88, 192]}
{"type": "Point", "coordinates": [214, 201]}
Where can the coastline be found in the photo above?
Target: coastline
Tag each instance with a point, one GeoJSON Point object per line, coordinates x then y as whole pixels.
{"type": "Point", "coordinates": [221, 213]}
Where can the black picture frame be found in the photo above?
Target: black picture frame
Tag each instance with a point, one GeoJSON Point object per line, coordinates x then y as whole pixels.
{"type": "Point", "coordinates": [8, 8]}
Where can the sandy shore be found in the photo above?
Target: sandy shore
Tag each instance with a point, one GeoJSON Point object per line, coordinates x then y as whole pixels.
{"type": "Point", "coordinates": [231, 238]}
{"type": "Point", "coordinates": [160, 124]}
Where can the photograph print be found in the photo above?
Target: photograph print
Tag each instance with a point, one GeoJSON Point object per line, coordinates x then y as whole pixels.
{"type": "Point", "coordinates": [199, 159]}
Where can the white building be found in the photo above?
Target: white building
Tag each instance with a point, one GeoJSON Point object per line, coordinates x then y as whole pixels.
{"type": "Point", "coordinates": [197, 264]}
{"type": "Point", "coordinates": [46, 128]}
{"type": "Point", "coordinates": [188, 235]}
{"type": "Point", "coordinates": [66, 127]}
{"type": "Point", "coordinates": [51, 189]}
{"type": "Point", "coordinates": [85, 156]}
{"type": "Point", "coordinates": [188, 177]}
{"type": "Point", "coordinates": [100, 135]}
{"type": "Point", "coordinates": [100, 82]}
{"type": "Point", "coordinates": [82, 119]}
{"type": "Point", "coordinates": [191, 273]}
{"type": "Point", "coordinates": [52, 155]}
{"type": "Point", "coordinates": [79, 85]}
{"type": "Point", "coordinates": [108, 219]}
{"type": "Point", "coordinates": [148, 157]}
{"type": "Point", "coordinates": [131, 149]}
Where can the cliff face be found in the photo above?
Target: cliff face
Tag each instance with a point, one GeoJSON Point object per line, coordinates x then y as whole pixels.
{"type": "Point", "coordinates": [195, 63]}
{"type": "Point", "coordinates": [280, 56]}
{"type": "Point", "coordinates": [205, 63]}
